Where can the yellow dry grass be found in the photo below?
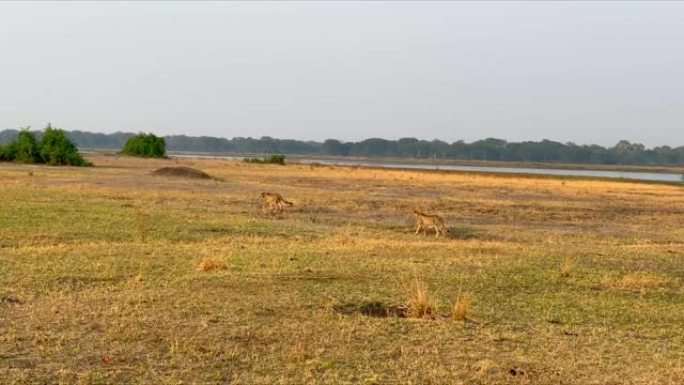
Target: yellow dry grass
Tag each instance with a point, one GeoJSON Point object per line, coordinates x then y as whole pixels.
{"type": "Point", "coordinates": [639, 281]}
{"type": "Point", "coordinates": [566, 269]}
{"type": "Point", "coordinates": [462, 307]}
{"type": "Point", "coordinates": [99, 279]}
{"type": "Point", "coordinates": [208, 264]}
{"type": "Point", "coordinates": [420, 303]}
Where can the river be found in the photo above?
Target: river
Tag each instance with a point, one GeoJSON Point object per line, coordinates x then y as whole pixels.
{"type": "Point", "coordinates": [630, 175]}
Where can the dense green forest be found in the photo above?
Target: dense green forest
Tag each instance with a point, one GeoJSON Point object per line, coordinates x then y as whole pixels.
{"type": "Point", "coordinates": [623, 153]}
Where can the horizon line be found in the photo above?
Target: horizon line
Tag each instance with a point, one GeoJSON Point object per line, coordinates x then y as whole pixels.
{"type": "Point", "coordinates": [350, 141]}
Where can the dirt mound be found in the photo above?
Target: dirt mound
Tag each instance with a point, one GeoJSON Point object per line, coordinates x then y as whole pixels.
{"type": "Point", "coordinates": [182, 172]}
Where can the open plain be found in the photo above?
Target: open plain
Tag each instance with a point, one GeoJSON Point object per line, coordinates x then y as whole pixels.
{"type": "Point", "coordinates": [109, 274]}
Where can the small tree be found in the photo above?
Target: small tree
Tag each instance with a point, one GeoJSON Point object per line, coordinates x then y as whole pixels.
{"type": "Point", "coordinates": [57, 149]}
{"type": "Point", "coordinates": [26, 148]}
{"type": "Point", "coordinates": [145, 145]}
{"type": "Point", "coordinates": [8, 152]}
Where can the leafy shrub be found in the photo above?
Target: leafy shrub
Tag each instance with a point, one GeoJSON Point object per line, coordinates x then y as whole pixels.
{"type": "Point", "coordinates": [273, 159]}
{"type": "Point", "coordinates": [145, 145]}
{"type": "Point", "coordinates": [54, 148]}
{"type": "Point", "coordinates": [26, 147]}
{"type": "Point", "coordinates": [8, 152]}
{"type": "Point", "coordinates": [57, 149]}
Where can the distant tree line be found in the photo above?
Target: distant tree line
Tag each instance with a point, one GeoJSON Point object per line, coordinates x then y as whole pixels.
{"type": "Point", "coordinates": [545, 151]}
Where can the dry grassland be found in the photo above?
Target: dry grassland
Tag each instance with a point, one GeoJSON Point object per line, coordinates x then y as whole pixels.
{"type": "Point", "coordinates": [112, 275]}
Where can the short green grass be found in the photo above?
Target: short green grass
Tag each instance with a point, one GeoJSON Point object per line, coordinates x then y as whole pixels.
{"type": "Point", "coordinates": [569, 281]}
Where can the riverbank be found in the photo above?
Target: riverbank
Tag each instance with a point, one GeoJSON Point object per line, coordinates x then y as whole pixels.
{"type": "Point", "coordinates": [455, 162]}
{"type": "Point", "coordinates": [654, 175]}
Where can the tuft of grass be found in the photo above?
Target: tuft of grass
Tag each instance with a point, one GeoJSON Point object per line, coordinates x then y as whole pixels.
{"type": "Point", "coordinates": [484, 367]}
{"type": "Point", "coordinates": [144, 224]}
{"type": "Point", "coordinates": [461, 307]}
{"type": "Point", "coordinates": [566, 269]}
{"type": "Point", "coordinates": [420, 303]}
{"type": "Point", "coordinates": [209, 264]}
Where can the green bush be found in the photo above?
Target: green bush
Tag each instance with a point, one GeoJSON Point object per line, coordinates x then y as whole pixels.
{"type": "Point", "coordinates": [54, 148]}
{"type": "Point", "coordinates": [57, 149]}
{"type": "Point", "coordinates": [276, 159]}
{"type": "Point", "coordinates": [27, 149]}
{"type": "Point", "coordinates": [8, 152]}
{"type": "Point", "coordinates": [149, 146]}
{"type": "Point", "coordinates": [273, 159]}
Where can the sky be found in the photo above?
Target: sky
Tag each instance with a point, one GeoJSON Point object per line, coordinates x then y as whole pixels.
{"type": "Point", "coordinates": [583, 72]}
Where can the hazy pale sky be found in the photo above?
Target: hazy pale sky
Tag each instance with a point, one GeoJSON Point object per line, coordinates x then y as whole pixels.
{"type": "Point", "coordinates": [588, 72]}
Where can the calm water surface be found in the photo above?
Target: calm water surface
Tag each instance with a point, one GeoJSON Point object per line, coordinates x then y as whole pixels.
{"type": "Point", "coordinates": [632, 175]}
